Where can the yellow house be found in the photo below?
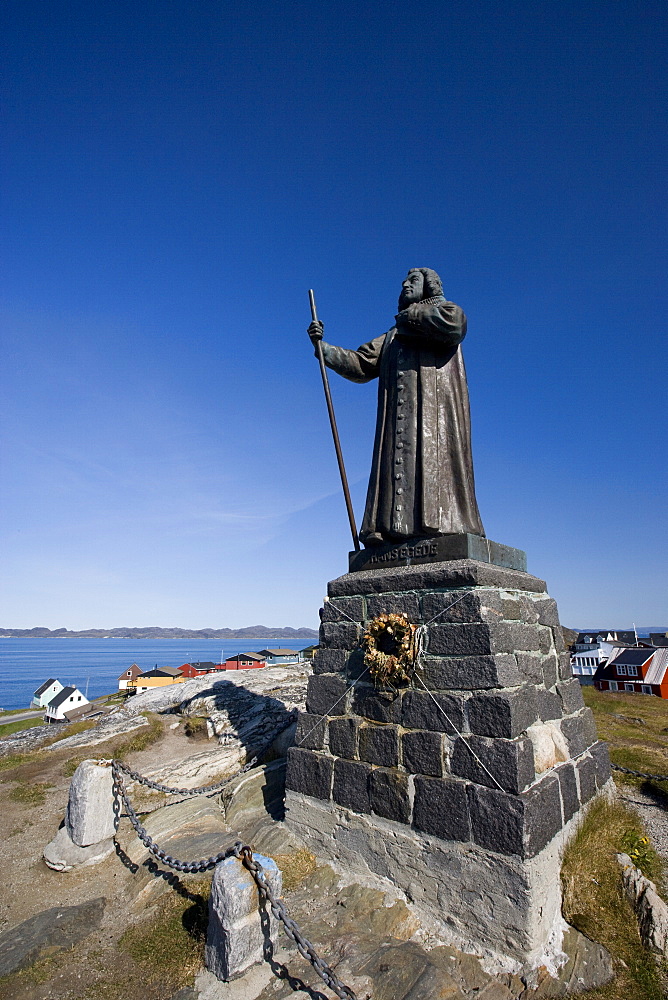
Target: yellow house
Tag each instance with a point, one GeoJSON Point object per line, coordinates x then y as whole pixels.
{"type": "Point", "coordinates": [154, 679]}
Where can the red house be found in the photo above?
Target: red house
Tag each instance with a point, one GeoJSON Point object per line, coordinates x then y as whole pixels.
{"type": "Point", "coordinates": [641, 670]}
{"type": "Point", "coordinates": [199, 669]}
{"type": "Point", "coordinates": [244, 661]}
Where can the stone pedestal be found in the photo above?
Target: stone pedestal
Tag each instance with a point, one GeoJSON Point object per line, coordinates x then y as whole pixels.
{"type": "Point", "coordinates": [463, 786]}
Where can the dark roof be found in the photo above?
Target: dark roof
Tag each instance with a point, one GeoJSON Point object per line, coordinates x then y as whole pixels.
{"type": "Point", "coordinates": [204, 665]}
{"type": "Point", "coordinates": [61, 697]}
{"type": "Point", "coordinates": [634, 656]}
{"type": "Point", "coordinates": [658, 638]}
{"type": "Point", "coordinates": [279, 652]}
{"type": "Point", "coordinates": [157, 673]}
{"type": "Point", "coordinates": [246, 656]}
{"type": "Point", "coordinates": [40, 690]}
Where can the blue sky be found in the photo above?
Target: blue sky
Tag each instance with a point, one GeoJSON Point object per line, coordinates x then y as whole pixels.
{"type": "Point", "coordinates": [177, 175]}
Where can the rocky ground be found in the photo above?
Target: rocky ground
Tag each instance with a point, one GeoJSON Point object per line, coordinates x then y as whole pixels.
{"type": "Point", "coordinates": [104, 932]}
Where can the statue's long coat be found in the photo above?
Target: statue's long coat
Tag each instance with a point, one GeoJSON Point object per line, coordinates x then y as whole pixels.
{"type": "Point", "coordinates": [422, 473]}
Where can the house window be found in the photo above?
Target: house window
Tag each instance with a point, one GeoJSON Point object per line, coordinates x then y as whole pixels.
{"type": "Point", "coordinates": [632, 671]}
{"type": "Point", "coordinates": [629, 687]}
{"type": "Point", "coordinates": [621, 671]}
{"type": "Point", "coordinates": [614, 685]}
{"type": "Point", "coordinates": [646, 689]}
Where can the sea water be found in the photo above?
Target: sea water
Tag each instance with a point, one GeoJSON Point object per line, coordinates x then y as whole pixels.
{"type": "Point", "coordinates": [96, 664]}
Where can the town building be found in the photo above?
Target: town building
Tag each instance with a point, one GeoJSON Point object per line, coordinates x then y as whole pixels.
{"type": "Point", "coordinates": [636, 669]}
{"type": "Point", "coordinates": [155, 678]}
{"type": "Point", "coordinates": [66, 705]}
{"type": "Point", "coordinates": [276, 657]}
{"type": "Point", "coordinates": [45, 692]}
{"type": "Point", "coordinates": [244, 661]}
{"type": "Point", "coordinates": [189, 670]}
{"type": "Point", "coordinates": [128, 675]}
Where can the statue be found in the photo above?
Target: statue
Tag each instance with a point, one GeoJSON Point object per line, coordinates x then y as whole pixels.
{"type": "Point", "coordinates": [421, 482]}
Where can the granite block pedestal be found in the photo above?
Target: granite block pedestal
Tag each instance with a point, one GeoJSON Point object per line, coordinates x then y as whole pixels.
{"type": "Point", "coordinates": [463, 786]}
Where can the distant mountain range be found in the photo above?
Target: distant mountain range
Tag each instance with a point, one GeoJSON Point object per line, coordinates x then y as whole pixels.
{"type": "Point", "coordinates": [251, 632]}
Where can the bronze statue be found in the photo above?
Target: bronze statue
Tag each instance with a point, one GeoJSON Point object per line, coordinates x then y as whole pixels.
{"type": "Point", "coordinates": [421, 482]}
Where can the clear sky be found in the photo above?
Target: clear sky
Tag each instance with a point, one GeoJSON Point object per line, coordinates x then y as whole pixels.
{"type": "Point", "coordinates": [177, 175]}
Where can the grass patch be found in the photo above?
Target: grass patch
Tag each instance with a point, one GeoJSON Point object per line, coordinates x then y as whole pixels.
{"type": "Point", "coordinates": [32, 794]}
{"type": "Point", "coordinates": [16, 711]}
{"type": "Point", "coordinates": [634, 727]}
{"type": "Point", "coordinates": [142, 738]}
{"type": "Point", "coordinates": [594, 903]}
{"type": "Point", "coordinates": [16, 727]}
{"type": "Point", "coordinates": [295, 868]}
{"type": "Point", "coordinates": [70, 766]}
{"type": "Point", "coordinates": [196, 727]}
{"type": "Point", "coordinates": [169, 946]}
{"type": "Point", "coordinates": [71, 729]}
{"type": "Point", "coordinates": [13, 760]}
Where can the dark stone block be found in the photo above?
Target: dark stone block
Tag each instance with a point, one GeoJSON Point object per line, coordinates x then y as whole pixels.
{"type": "Point", "coordinates": [570, 800]}
{"type": "Point", "coordinates": [549, 705]}
{"type": "Point", "coordinates": [394, 604]}
{"type": "Point", "coordinates": [570, 693]}
{"type": "Point", "coordinates": [343, 737]}
{"type": "Point", "coordinates": [438, 549]}
{"type": "Point", "coordinates": [512, 609]}
{"type": "Point", "coordinates": [509, 637]}
{"type": "Point", "coordinates": [558, 638]}
{"type": "Point", "coordinates": [355, 667]}
{"type": "Point", "coordinates": [468, 673]}
{"type": "Point", "coordinates": [565, 669]}
{"type": "Point", "coordinates": [452, 606]}
{"type": "Point", "coordinates": [351, 785]}
{"type": "Point", "coordinates": [311, 731]}
{"type": "Point", "coordinates": [586, 768]}
{"type": "Point", "coordinates": [573, 728]}
{"type": "Point", "coordinates": [389, 794]}
{"type": "Point", "coordinates": [503, 713]}
{"type": "Point", "coordinates": [497, 820]}
{"type": "Point", "coordinates": [379, 706]}
{"type": "Point", "coordinates": [516, 824]}
{"type": "Point", "coordinates": [589, 726]}
{"type": "Point", "coordinates": [443, 575]}
{"type": "Point", "coordinates": [309, 773]}
{"type": "Point", "coordinates": [441, 808]}
{"type": "Point", "coordinates": [422, 753]}
{"type": "Point", "coordinates": [542, 820]}
{"type": "Point", "coordinates": [530, 666]}
{"type": "Point", "coordinates": [545, 642]}
{"type": "Point", "coordinates": [488, 761]}
{"type": "Point", "coordinates": [379, 745]}
{"type": "Point", "coordinates": [459, 640]}
{"type": "Point", "coordinates": [329, 661]}
{"type": "Point", "coordinates": [529, 613]}
{"type": "Point", "coordinates": [546, 609]}
{"type": "Point", "coordinates": [442, 713]}
{"type": "Point", "coordinates": [326, 695]}
{"type": "Point", "coordinates": [340, 635]}
{"type": "Point", "coordinates": [342, 609]}
{"type": "Point", "coordinates": [601, 757]}
{"type": "Point", "coordinates": [550, 670]}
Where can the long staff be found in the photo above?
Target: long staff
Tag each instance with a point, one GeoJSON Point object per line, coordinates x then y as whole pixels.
{"type": "Point", "coordinates": [335, 432]}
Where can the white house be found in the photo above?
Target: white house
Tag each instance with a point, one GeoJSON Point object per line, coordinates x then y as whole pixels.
{"type": "Point", "coordinates": [64, 704]}
{"type": "Point", "coordinates": [128, 675]}
{"type": "Point", "coordinates": [43, 695]}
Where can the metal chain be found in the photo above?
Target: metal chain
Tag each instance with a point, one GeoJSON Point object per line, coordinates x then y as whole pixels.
{"type": "Point", "coordinates": [304, 946]}
{"type": "Point", "coordinates": [120, 794]}
{"type": "Point", "coordinates": [244, 854]}
{"type": "Point", "coordinates": [639, 774]}
{"type": "Point", "coordinates": [203, 789]}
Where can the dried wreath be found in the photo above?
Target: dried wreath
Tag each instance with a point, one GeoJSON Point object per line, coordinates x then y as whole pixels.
{"type": "Point", "coordinates": [389, 648]}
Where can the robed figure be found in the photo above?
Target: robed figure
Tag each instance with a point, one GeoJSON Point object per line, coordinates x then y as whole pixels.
{"type": "Point", "coordinates": [421, 480]}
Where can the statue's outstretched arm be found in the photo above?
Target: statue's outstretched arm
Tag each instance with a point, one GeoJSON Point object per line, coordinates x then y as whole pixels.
{"type": "Point", "coordinates": [361, 365]}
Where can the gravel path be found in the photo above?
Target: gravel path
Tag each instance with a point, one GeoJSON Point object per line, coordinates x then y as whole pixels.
{"type": "Point", "coordinates": [654, 814]}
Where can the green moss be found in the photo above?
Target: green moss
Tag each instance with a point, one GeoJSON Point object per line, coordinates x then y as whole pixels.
{"type": "Point", "coordinates": [13, 760]}
{"type": "Point", "coordinates": [141, 738]}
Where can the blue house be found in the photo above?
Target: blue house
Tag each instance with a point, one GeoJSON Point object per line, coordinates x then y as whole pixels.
{"type": "Point", "coordinates": [275, 657]}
